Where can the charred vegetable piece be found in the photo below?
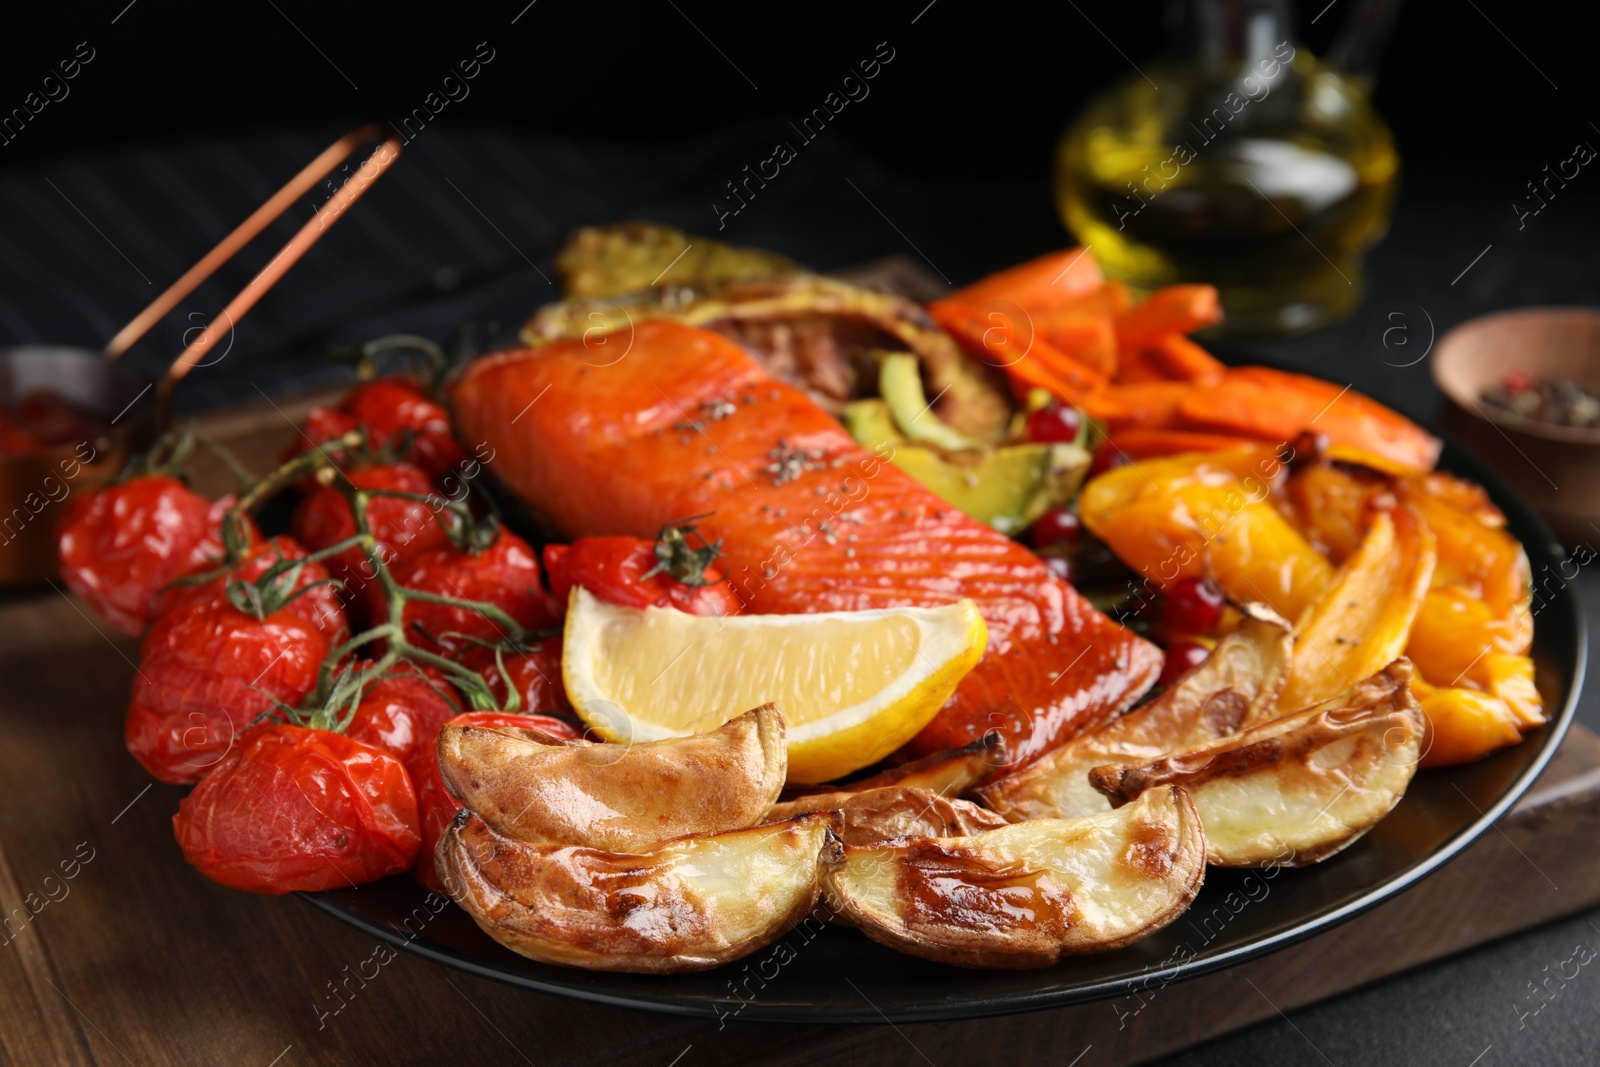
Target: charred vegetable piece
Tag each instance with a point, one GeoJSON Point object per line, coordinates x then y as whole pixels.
{"type": "Point", "coordinates": [600, 261]}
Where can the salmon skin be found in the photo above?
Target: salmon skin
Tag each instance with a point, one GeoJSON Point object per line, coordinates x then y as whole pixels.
{"type": "Point", "coordinates": [686, 423]}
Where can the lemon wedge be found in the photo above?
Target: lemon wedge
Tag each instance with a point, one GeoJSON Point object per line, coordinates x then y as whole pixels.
{"type": "Point", "coordinates": [853, 685]}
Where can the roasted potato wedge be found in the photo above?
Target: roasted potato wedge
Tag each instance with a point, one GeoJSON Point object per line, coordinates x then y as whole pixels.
{"type": "Point", "coordinates": [1025, 895]}
{"type": "Point", "coordinates": [1297, 789]}
{"type": "Point", "coordinates": [949, 773]}
{"type": "Point", "coordinates": [873, 815]}
{"type": "Point", "coordinates": [1236, 687]}
{"type": "Point", "coordinates": [686, 905]}
{"type": "Point", "coordinates": [618, 797]}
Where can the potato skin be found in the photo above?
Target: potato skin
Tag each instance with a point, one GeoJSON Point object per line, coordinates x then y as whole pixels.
{"type": "Point", "coordinates": [1235, 688]}
{"type": "Point", "coordinates": [1293, 791]}
{"type": "Point", "coordinates": [1025, 895]}
{"type": "Point", "coordinates": [951, 772]}
{"type": "Point", "coordinates": [873, 815]}
{"type": "Point", "coordinates": [644, 913]}
{"type": "Point", "coordinates": [617, 797]}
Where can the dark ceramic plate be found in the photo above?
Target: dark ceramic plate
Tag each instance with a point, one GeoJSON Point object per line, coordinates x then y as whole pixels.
{"type": "Point", "coordinates": [838, 976]}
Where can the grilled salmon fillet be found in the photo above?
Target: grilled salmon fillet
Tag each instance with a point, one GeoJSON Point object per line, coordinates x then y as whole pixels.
{"type": "Point", "coordinates": [666, 421]}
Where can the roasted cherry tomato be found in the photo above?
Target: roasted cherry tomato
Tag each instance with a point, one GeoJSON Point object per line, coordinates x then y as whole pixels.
{"type": "Point", "coordinates": [390, 406]}
{"type": "Point", "coordinates": [614, 569]}
{"type": "Point", "coordinates": [121, 545]}
{"type": "Point", "coordinates": [293, 809]}
{"type": "Point", "coordinates": [506, 574]}
{"type": "Point", "coordinates": [1182, 656]}
{"type": "Point", "coordinates": [1054, 424]}
{"type": "Point", "coordinates": [1193, 606]}
{"type": "Point", "coordinates": [322, 426]}
{"type": "Point", "coordinates": [402, 713]}
{"type": "Point", "coordinates": [535, 675]}
{"type": "Point", "coordinates": [402, 528]}
{"type": "Point", "coordinates": [206, 671]}
{"type": "Point", "coordinates": [436, 807]}
{"type": "Point", "coordinates": [318, 605]}
{"type": "Point", "coordinates": [385, 408]}
{"type": "Point", "coordinates": [1058, 526]}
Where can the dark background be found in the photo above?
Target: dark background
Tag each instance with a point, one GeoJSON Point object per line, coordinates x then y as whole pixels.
{"type": "Point", "coordinates": [976, 87]}
{"type": "Point", "coordinates": [188, 117]}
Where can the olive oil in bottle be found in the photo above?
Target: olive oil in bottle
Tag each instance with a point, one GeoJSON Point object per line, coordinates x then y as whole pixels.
{"type": "Point", "coordinates": [1244, 162]}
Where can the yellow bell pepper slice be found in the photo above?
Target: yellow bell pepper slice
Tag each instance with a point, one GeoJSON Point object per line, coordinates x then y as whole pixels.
{"type": "Point", "coordinates": [1362, 621]}
{"type": "Point", "coordinates": [1464, 725]}
{"type": "Point", "coordinates": [1511, 679]}
{"type": "Point", "coordinates": [1207, 514]}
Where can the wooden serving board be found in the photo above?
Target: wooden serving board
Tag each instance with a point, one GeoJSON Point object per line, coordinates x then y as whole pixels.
{"type": "Point", "coordinates": [119, 953]}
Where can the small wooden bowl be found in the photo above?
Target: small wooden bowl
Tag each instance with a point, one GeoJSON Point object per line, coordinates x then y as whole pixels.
{"type": "Point", "coordinates": [1557, 468]}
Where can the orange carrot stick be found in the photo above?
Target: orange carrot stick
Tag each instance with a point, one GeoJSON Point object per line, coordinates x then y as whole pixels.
{"type": "Point", "coordinates": [1175, 309]}
{"type": "Point", "coordinates": [1142, 406]}
{"type": "Point", "coordinates": [1087, 338]}
{"type": "Point", "coordinates": [996, 337]}
{"type": "Point", "coordinates": [1051, 281]}
{"type": "Point", "coordinates": [1136, 366]}
{"type": "Point", "coordinates": [1062, 366]}
{"type": "Point", "coordinates": [1109, 299]}
{"type": "Point", "coordinates": [1271, 405]}
{"type": "Point", "coordinates": [1032, 373]}
{"type": "Point", "coordinates": [1146, 444]}
{"type": "Point", "coordinates": [1183, 360]}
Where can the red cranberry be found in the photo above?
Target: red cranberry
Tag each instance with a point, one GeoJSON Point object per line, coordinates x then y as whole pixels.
{"type": "Point", "coordinates": [1058, 526]}
{"type": "Point", "coordinates": [1182, 656]}
{"type": "Point", "coordinates": [1194, 606]}
{"type": "Point", "coordinates": [1054, 423]}
{"type": "Point", "coordinates": [1107, 457]}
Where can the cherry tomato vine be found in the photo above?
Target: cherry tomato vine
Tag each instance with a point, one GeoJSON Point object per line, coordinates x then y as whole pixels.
{"type": "Point", "coordinates": [344, 676]}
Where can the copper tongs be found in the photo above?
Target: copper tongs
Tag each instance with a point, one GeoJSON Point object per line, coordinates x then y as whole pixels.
{"type": "Point", "coordinates": [359, 181]}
